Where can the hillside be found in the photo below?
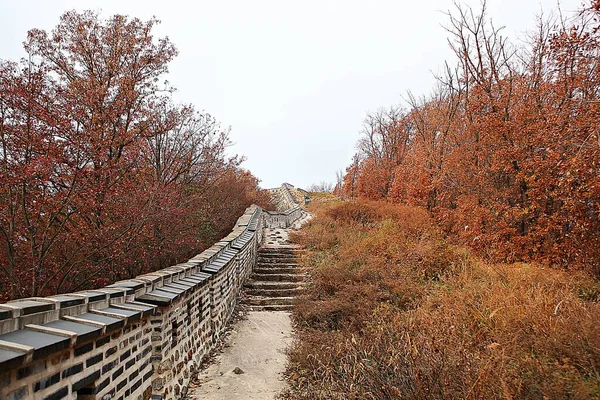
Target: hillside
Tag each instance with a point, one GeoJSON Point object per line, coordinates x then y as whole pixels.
{"type": "Point", "coordinates": [394, 311]}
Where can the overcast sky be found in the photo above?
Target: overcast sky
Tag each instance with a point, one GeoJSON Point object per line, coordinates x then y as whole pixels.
{"type": "Point", "coordinates": [293, 79]}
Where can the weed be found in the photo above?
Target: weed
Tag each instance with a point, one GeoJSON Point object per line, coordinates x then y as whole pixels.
{"type": "Point", "coordinates": [394, 312]}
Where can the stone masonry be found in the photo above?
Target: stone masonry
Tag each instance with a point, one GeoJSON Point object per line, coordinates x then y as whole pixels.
{"type": "Point", "coordinates": [137, 339]}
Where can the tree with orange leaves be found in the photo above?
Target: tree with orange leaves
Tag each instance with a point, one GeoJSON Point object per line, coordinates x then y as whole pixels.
{"type": "Point", "coordinates": [506, 152]}
{"type": "Point", "coordinates": [102, 176]}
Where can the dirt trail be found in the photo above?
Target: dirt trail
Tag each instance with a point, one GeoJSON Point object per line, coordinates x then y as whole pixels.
{"type": "Point", "coordinates": [257, 347]}
{"type": "Point", "coordinates": [253, 361]}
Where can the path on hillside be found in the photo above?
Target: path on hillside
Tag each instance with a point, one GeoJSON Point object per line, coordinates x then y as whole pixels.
{"type": "Point", "coordinates": [253, 361]}
{"type": "Point", "coordinates": [257, 347]}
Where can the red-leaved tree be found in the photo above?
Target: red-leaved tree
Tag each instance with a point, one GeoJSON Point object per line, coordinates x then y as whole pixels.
{"type": "Point", "coordinates": [506, 151]}
{"type": "Point", "coordinates": [102, 176]}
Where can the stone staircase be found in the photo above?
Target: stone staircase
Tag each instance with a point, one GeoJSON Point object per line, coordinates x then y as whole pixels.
{"type": "Point", "coordinates": [276, 280]}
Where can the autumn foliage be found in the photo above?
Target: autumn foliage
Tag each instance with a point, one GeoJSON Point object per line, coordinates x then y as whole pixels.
{"type": "Point", "coordinates": [395, 312]}
{"type": "Point", "coordinates": [505, 152]}
{"type": "Point", "coordinates": [102, 175]}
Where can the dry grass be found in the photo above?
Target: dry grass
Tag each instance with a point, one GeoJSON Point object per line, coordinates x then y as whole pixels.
{"type": "Point", "coordinates": [394, 312]}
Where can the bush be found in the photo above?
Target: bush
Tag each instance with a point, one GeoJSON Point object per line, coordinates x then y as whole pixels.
{"type": "Point", "coordinates": [393, 312]}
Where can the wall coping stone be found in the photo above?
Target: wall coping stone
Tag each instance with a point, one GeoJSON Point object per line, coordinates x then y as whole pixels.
{"type": "Point", "coordinates": [109, 323]}
{"type": "Point", "coordinates": [82, 332]}
{"type": "Point", "coordinates": [43, 344]}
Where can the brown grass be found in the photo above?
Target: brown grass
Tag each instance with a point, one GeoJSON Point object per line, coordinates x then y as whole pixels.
{"type": "Point", "coordinates": [395, 313]}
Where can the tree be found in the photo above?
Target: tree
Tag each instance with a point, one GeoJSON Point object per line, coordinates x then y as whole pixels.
{"type": "Point", "coordinates": [102, 177]}
{"type": "Point", "coordinates": [505, 153]}
{"type": "Point", "coordinates": [321, 187]}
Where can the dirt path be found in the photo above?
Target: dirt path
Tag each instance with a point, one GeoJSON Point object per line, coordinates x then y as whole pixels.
{"type": "Point", "coordinates": [257, 347]}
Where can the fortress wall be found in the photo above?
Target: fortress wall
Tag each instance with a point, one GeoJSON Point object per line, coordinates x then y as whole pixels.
{"type": "Point", "coordinates": [136, 339]}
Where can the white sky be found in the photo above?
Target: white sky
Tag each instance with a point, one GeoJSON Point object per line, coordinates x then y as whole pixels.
{"type": "Point", "coordinates": [294, 80]}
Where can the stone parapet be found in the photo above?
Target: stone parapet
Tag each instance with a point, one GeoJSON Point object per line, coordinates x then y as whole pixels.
{"type": "Point", "coordinates": [140, 338]}
{"type": "Point", "coordinates": [285, 197]}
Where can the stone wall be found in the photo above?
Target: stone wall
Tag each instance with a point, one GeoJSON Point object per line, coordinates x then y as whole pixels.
{"type": "Point", "coordinates": [137, 339]}
{"type": "Point", "coordinates": [283, 219]}
{"type": "Point", "coordinates": [283, 197]}
{"type": "Point", "coordinates": [287, 199]}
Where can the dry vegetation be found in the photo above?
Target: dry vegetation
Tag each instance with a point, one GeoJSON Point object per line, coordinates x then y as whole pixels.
{"type": "Point", "coordinates": [505, 151]}
{"type": "Point", "coordinates": [395, 312]}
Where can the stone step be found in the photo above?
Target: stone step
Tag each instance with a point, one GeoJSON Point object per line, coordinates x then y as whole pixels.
{"type": "Point", "coordinates": [276, 255]}
{"type": "Point", "coordinates": [275, 292]}
{"type": "Point", "coordinates": [276, 259]}
{"type": "Point", "coordinates": [275, 252]}
{"type": "Point", "coordinates": [286, 260]}
{"type": "Point", "coordinates": [280, 253]}
{"type": "Point", "coordinates": [278, 265]}
{"type": "Point", "coordinates": [282, 249]}
{"type": "Point", "coordinates": [271, 308]}
{"type": "Point", "coordinates": [269, 301]}
{"type": "Point", "coordinates": [273, 285]}
{"type": "Point", "coordinates": [276, 270]}
{"type": "Point", "coordinates": [278, 277]}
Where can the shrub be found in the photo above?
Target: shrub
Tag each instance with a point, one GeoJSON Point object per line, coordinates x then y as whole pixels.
{"type": "Point", "coordinates": [393, 312]}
